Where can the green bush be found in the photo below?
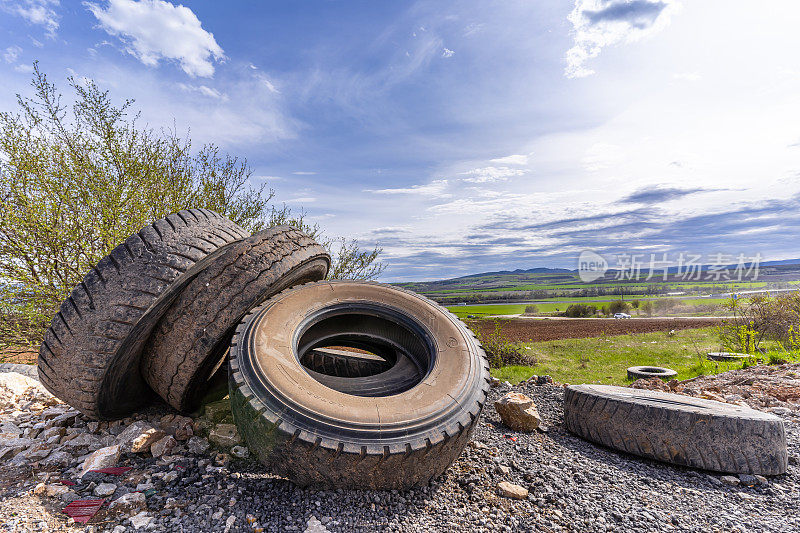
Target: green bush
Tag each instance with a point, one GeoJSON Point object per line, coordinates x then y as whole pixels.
{"type": "Point", "coordinates": [531, 310]}
{"type": "Point", "coordinates": [76, 180]}
{"type": "Point", "coordinates": [500, 351]}
{"type": "Point", "coordinates": [580, 311]}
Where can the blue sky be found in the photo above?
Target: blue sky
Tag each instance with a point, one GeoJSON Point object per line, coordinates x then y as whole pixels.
{"type": "Point", "coordinates": [467, 136]}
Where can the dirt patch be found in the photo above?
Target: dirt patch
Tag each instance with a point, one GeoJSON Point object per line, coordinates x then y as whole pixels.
{"type": "Point", "coordinates": [527, 330]}
{"type": "Point", "coordinates": [769, 388]}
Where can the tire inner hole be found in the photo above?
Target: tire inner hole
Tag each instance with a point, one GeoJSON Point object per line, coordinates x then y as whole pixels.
{"type": "Point", "coordinates": [364, 350]}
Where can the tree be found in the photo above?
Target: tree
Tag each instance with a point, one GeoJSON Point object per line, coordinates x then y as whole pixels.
{"type": "Point", "coordinates": [77, 179]}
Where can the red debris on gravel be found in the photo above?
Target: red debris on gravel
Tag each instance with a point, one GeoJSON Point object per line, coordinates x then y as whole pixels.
{"type": "Point", "coordinates": [83, 510]}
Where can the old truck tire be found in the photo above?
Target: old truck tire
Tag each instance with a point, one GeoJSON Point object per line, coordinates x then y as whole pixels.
{"type": "Point", "coordinates": [647, 372]}
{"type": "Point", "coordinates": [192, 338]}
{"type": "Point", "coordinates": [90, 354]}
{"type": "Point", "coordinates": [345, 364]}
{"type": "Point", "coordinates": [315, 435]}
{"type": "Point", "coordinates": [678, 429]}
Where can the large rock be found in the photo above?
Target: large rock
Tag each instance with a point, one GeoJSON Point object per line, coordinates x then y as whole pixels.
{"type": "Point", "coordinates": [510, 490]}
{"type": "Point", "coordinates": [133, 501]}
{"type": "Point", "coordinates": [17, 385]}
{"type": "Point", "coordinates": [518, 412]}
{"type": "Point", "coordinates": [102, 458]}
{"type": "Point", "coordinates": [139, 437]}
{"type": "Point", "coordinates": [50, 490]}
{"type": "Point", "coordinates": [224, 435]}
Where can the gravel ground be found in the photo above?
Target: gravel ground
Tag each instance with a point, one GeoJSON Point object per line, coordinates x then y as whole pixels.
{"type": "Point", "coordinates": [574, 486]}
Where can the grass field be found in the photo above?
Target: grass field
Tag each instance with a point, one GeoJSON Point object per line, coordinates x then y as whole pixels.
{"type": "Point", "coordinates": [605, 359]}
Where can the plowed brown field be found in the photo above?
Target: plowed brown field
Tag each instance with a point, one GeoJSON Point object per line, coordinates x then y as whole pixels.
{"type": "Point", "coordinates": [533, 330]}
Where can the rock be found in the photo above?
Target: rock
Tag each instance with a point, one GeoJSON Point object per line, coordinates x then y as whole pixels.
{"type": "Point", "coordinates": [37, 452]}
{"type": "Point", "coordinates": [57, 459]}
{"type": "Point", "coordinates": [50, 490]}
{"type": "Point", "coordinates": [178, 426]}
{"type": "Point", "coordinates": [502, 469]}
{"type": "Point", "coordinates": [544, 380]}
{"type": "Point", "coordinates": [748, 480]}
{"type": "Point", "coordinates": [494, 382]}
{"type": "Point", "coordinates": [229, 523]}
{"type": "Point", "coordinates": [224, 435]}
{"type": "Point", "coordinates": [12, 447]}
{"type": "Point", "coordinates": [222, 459]}
{"type": "Point", "coordinates": [780, 411]}
{"type": "Point", "coordinates": [240, 451]}
{"type": "Point", "coordinates": [198, 445]}
{"type": "Point", "coordinates": [170, 476]}
{"type": "Point", "coordinates": [141, 520]}
{"type": "Point", "coordinates": [81, 444]}
{"type": "Point", "coordinates": [315, 526]}
{"type": "Point", "coordinates": [128, 502]}
{"type": "Point", "coordinates": [163, 446]}
{"type": "Point", "coordinates": [144, 442]}
{"type": "Point", "coordinates": [105, 489]}
{"type": "Point", "coordinates": [510, 490]}
{"type": "Point", "coordinates": [518, 412]}
{"type": "Point", "coordinates": [51, 432]}
{"type": "Point", "coordinates": [708, 395]}
{"type": "Point", "coordinates": [102, 458]}
{"type": "Point", "coordinates": [730, 480]}
{"type": "Point", "coordinates": [138, 437]}
{"type": "Point", "coordinates": [218, 411]}
{"type": "Point", "coordinates": [18, 384]}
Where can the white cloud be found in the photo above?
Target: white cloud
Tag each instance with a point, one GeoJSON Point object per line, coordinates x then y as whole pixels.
{"type": "Point", "coordinates": [203, 90]}
{"type": "Point", "coordinates": [11, 54]}
{"type": "Point", "coordinates": [516, 159]}
{"type": "Point", "coordinates": [448, 53]}
{"type": "Point", "coordinates": [303, 173]}
{"type": "Point", "coordinates": [601, 23]}
{"type": "Point", "coordinates": [25, 69]}
{"type": "Point", "coordinates": [490, 174]}
{"type": "Point", "coordinates": [433, 189]}
{"type": "Point", "coordinates": [154, 29]}
{"type": "Point", "coordinates": [39, 12]}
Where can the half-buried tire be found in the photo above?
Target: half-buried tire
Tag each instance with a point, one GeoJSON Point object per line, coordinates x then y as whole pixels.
{"type": "Point", "coordinates": [90, 354]}
{"type": "Point", "coordinates": [192, 338]}
{"type": "Point", "coordinates": [678, 429]}
{"type": "Point", "coordinates": [317, 435]}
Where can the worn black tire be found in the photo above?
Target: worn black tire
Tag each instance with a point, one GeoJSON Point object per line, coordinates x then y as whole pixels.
{"type": "Point", "coordinates": [345, 364]}
{"type": "Point", "coordinates": [191, 340]}
{"type": "Point", "coordinates": [399, 378]}
{"type": "Point", "coordinates": [647, 372]}
{"type": "Point", "coordinates": [90, 354]}
{"type": "Point", "coordinates": [678, 429]}
{"type": "Point", "coordinates": [315, 435]}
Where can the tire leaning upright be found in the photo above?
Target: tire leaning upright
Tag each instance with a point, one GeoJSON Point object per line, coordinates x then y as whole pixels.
{"type": "Point", "coordinates": [90, 354]}
{"type": "Point", "coordinates": [191, 340]}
